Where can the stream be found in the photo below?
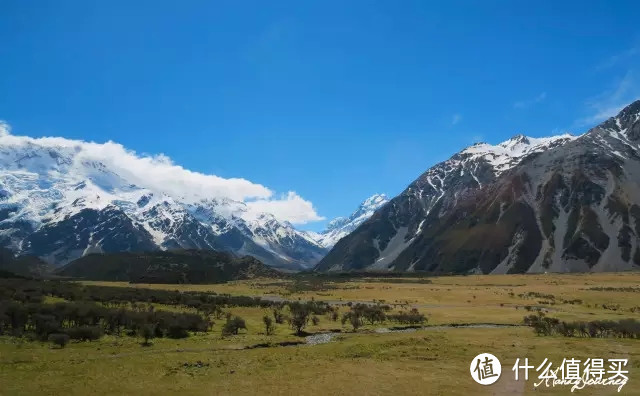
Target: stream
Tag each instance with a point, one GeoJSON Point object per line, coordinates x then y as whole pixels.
{"type": "Point", "coordinates": [323, 338]}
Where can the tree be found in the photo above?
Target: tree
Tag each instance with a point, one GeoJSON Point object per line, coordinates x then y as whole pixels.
{"type": "Point", "coordinates": [268, 324]}
{"type": "Point", "coordinates": [299, 316]}
{"type": "Point", "coordinates": [233, 326]}
{"type": "Point", "coordinates": [148, 332]}
{"type": "Point", "coordinates": [374, 314]}
{"type": "Point", "coordinates": [354, 317]}
{"type": "Point", "coordinates": [59, 339]}
{"type": "Point", "coordinates": [278, 316]}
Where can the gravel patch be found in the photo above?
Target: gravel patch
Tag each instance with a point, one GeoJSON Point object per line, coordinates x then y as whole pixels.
{"type": "Point", "coordinates": [321, 338]}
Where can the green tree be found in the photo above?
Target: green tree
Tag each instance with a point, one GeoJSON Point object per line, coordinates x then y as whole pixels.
{"type": "Point", "coordinates": [299, 316]}
{"type": "Point", "coordinates": [233, 326]}
{"type": "Point", "coordinates": [268, 324]}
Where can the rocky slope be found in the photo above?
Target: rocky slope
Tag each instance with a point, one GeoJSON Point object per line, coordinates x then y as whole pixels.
{"type": "Point", "coordinates": [562, 203]}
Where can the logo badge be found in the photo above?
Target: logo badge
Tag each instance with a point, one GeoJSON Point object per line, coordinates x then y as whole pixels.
{"type": "Point", "coordinates": [485, 369]}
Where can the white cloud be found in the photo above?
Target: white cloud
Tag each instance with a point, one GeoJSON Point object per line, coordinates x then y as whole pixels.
{"type": "Point", "coordinates": [160, 174]}
{"type": "Point", "coordinates": [618, 58]}
{"type": "Point", "coordinates": [610, 102]}
{"type": "Point", "coordinates": [456, 118]}
{"type": "Point", "coordinates": [523, 104]}
{"type": "Point", "coordinates": [290, 207]}
{"type": "Point", "coordinates": [5, 129]}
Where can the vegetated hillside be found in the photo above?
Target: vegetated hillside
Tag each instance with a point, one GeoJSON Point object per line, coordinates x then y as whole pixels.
{"type": "Point", "coordinates": [560, 204]}
{"type": "Point", "coordinates": [26, 266]}
{"type": "Point", "coordinates": [175, 266]}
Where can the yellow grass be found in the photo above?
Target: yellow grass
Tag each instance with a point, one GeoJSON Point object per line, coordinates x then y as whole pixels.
{"type": "Point", "coordinates": [432, 361]}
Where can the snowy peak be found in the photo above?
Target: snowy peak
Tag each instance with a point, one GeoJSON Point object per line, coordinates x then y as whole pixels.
{"type": "Point", "coordinates": [627, 122]}
{"type": "Point", "coordinates": [342, 226]}
{"type": "Point", "coordinates": [372, 203]}
{"type": "Point", "coordinates": [509, 153]}
{"type": "Point", "coordinates": [111, 198]}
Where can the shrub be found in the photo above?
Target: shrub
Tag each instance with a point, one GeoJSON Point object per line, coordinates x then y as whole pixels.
{"type": "Point", "coordinates": [545, 326]}
{"type": "Point", "coordinates": [176, 330]}
{"type": "Point", "coordinates": [148, 332]}
{"type": "Point", "coordinates": [84, 333]}
{"type": "Point", "coordinates": [412, 317]}
{"type": "Point", "coordinates": [59, 339]}
{"type": "Point", "coordinates": [268, 324]}
{"type": "Point", "coordinates": [233, 326]}
{"type": "Point", "coordinates": [278, 316]}
{"type": "Point", "coordinates": [299, 316]}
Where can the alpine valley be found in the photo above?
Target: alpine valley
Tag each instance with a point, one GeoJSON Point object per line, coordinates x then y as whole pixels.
{"type": "Point", "coordinates": [562, 204]}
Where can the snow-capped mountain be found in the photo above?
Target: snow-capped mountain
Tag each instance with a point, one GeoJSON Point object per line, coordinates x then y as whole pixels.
{"type": "Point", "coordinates": [60, 201]}
{"type": "Point", "coordinates": [563, 203]}
{"type": "Point", "coordinates": [339, 227]}
{"type": "Point", "coordinates": [284, 240]}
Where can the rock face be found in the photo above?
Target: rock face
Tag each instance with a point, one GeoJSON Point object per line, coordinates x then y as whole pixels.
{"type": "Point", "coordinates": [58, 202]}
{"type": "Point", "coordinates": [561, 204]}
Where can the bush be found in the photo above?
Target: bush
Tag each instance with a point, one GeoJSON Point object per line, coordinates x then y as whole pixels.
{"type": "Point", "coordinates": [233, 326]}
{"type": "Point", "coordinates": [59, 339]}
{"type": "Point", "coordinates": [268, 324]}
{"type": "Point", "coordinates": [176, 330]}
{"type": "Point", "coordinates": [148, 332]}
{"type": "Point", "coordinates": [299, 316]}
{"type": "Point", "coordinates": [412, 317]}
{"type": "Point", "coordinates": [354, 317]}
{"type": "Point", "coordinates": [84, 333]}
{"type": "Point", "coordinates": [278, 316]}
{"type": "Point", "coordinates": [545, 326]}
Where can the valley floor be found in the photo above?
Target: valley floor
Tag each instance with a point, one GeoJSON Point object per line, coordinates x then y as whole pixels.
{"type": "Point", "coordinates": [425, 361]}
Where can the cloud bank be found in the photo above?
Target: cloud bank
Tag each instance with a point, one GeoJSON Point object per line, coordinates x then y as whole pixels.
{"type": "Point", "coordinates": [160, 174]}
{"type": "Point", "coordinates": [290, 207]}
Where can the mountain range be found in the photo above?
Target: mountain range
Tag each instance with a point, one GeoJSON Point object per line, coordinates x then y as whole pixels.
{"type": "Point", "coordinates": [59, 201]}
{"type": "Point", "coordinates": [563, 203]}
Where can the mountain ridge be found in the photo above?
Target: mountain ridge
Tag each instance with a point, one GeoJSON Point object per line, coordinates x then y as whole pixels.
{"type": "Point", "coordinates": [59, 201]}
{"type": "Point", "coordinates": [506, 207]}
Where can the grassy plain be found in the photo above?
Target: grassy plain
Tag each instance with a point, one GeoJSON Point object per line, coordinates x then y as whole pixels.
{"type": "Point", "coordinates": [430, 361]}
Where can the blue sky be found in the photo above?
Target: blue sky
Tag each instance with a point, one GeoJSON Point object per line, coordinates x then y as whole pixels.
{"type": "Point", "coordinates": [335, 100]}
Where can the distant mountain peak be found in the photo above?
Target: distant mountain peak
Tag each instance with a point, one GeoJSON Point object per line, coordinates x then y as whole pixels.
{"type": "Point", "coordinates": [342, 226]}
{"type": "Point", "coordinates": [517, 139]}
{"type": "Point", "coordinates": [374, 200]}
